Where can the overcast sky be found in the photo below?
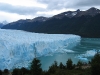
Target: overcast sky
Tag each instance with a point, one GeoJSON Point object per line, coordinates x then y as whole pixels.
{"type": "Point", "coordinates": [12, 10]}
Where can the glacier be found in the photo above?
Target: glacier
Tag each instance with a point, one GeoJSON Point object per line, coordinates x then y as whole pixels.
{"type": "Point", "coordinates": [18, 48]}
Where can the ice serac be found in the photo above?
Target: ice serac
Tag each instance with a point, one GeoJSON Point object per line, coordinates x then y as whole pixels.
{"type": "Point", "coordinates": [17, 47]}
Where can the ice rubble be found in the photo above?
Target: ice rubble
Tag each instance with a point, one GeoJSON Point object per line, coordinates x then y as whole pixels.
{"type": "Point", "coordinates": [17, 47]}
{"type": "Point", "coordinates": [89, 53]}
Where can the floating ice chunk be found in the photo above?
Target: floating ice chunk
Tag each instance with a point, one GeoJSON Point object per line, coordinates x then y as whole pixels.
{"type": "Point", "coordinates": [89, 53]}
{"type": "Point", "coordinates": [83, 59]}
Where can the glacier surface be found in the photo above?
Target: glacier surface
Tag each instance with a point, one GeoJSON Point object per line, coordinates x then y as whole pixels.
{"type": "Point", "coordinates": [17, 48]}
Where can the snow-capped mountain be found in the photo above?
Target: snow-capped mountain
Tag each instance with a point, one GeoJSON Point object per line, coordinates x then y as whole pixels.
{"type": "Point", "coordinates": [19, 23]}
{"type": "Point", "coordinates": [69, 14]}
{"type": "Point", "coordinates": [92, 12]}
{"type": "Point", "coordinates": [1, 25]}
{"type": "Point", "coordinates": [4, 22]}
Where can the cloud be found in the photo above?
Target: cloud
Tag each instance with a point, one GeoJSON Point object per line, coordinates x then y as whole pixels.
{"type": "Point", "coordinates": [70, 4]}
{"type": "Point", "coordinates": [29, 3]}
{"type": "Point", "coordinates": [56, 4]}
{"type": "Point", "coordinates": [22, 10]}
{"type": "Point", "coordinates": [10, 17]}
{"type": "Point", "coordinates": [88, 3]}
{"type": "Point", "coordinates": [52, 12]}
{"type": "Point", "coordinates": [45, 8]}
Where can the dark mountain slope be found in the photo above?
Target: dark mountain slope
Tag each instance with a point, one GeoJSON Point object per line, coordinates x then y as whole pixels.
{"type": "Point", "coordinates": [83, 23]}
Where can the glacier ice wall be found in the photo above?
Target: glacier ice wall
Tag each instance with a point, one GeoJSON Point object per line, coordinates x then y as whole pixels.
{"type": "Point", "coordinates": [17, 47]}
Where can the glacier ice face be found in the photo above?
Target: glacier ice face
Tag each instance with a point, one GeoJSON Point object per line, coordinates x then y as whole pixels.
{"type": "Point", "coordinates": [17, 47]}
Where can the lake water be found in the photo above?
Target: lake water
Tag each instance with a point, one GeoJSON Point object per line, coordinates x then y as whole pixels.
{"type": "Point", "coordinates": [83, 51]}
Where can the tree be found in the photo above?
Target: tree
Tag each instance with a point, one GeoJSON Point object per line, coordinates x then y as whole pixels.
{"type": "Point", "coordinates": [79, 64]}
{"type": "Point", "coordinates": [55, 64]}
{"type": "Point", "coordinates": [95, 65]}
{"type": "Point", "coordinates": [6, 70]}
{"type": "Point", "coordinates": [35, 67]}
{"type": "Point", "coordinates": [69, 64]}
{"type": "Point", "coordinates": [0, 72]}
{"type": "Point", "coordinates": [53, 67]}
{"type": "Point", "coordinates": [61, 66]}
{"type": "Point", "coordinates": [24, 71]}
{"type": "Point", "coordinates": [16, 71]}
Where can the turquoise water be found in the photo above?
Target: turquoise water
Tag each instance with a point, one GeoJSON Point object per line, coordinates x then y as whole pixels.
{"type": "Point", "coordinates": [83, 51]}
{"type": "Point", "coordinates": [88, 44]}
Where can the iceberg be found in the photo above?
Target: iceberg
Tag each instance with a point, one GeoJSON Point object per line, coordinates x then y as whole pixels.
{"type": "Point", "coordinates": [88, 53]}
{"type": "Point", "coordinates": [18, 48]}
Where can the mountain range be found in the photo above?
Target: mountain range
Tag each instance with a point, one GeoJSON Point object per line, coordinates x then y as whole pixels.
{"type": "Point", "coordinates": [3, 23]}
{"type": "Point", "coordinates": [83, 23]}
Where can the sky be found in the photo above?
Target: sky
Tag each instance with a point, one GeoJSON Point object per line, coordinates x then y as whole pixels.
{"type": "Point", "coordinates": [13, 10]}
